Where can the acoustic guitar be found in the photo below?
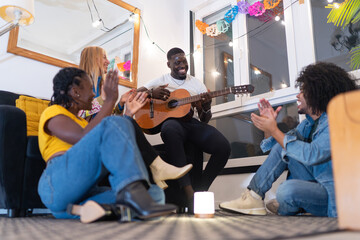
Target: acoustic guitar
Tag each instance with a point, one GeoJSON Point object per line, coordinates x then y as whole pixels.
{"type": "Point", "coordinates": [178, 105]}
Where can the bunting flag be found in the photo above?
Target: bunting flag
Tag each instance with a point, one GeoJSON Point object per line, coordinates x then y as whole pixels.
{"type": "Point", "coordinates": [263, 11]}
{"type": "Point", "coordinates": [270, 4]}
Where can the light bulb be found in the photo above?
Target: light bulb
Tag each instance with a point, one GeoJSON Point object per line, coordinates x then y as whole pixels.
{"type": "Point", "coordinates": [277, 18]}
{"type": "Point", "coordinates": [330, 1]}
{"type": "Point", "coordinates": [215, 73]}
{"type": "Point", "coordinates": [336, 5]}
{"type": "Point", "coordinates": [133, 17]}
{"type": "Point", "coordinates": [96, 23]}
{"type": "Point", "coordinates": [231, 44]}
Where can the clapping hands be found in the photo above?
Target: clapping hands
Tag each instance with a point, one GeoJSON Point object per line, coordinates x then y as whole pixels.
{"type": "Point", "coordinates": [134, 102]}
{"type": "Point", "coordinates": [267, 119]}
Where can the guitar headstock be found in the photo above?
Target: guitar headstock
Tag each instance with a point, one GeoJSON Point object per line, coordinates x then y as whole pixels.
{"type": "Point", "coordinates": [242, 89]}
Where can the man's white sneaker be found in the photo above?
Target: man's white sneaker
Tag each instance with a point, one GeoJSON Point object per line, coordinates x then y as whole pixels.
{"type": "Point", "coordinates": [246, 204]}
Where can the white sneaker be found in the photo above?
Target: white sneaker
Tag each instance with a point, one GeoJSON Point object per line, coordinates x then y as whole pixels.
{"type": "Point", "coordinates": [246, 204]}
{"type": "Point", "coordinates": [272, 206]}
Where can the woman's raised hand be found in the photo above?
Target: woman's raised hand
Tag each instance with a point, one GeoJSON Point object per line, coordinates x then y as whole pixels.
{"type": "Point", "coordinates": [110, 86]}
{"type": "Point", "coordinates": [126, 96]}
{"type": "Point", "coordinates": [134, 102]}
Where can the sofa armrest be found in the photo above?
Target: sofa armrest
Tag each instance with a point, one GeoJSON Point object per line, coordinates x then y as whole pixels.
{"type": "Point", "coordinates": [13, 141]}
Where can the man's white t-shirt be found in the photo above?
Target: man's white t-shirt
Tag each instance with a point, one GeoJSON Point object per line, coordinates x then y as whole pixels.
{"type": "Point", "coordinates": [191, 84]}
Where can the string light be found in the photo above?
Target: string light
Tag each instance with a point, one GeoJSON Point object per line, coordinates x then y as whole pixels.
{"type": "Point", "coordinates": [197, 51]}
{"type": "Point", "coordinates": [330, 1]}
{"type": "Point", "coordinates": [277, 18]}
{"type": "Point", "coordinates": [96, 23]}
{"type": "Point", "coordinates": [215, 73]}
{"type": "Point", "coordinates": [133, 17]}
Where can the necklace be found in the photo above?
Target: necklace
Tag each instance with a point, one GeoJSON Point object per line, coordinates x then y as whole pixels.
{"type": "Point", "coordinates": [178, 84]}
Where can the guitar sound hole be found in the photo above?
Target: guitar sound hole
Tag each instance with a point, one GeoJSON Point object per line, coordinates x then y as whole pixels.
{"type": "Point", "coordinates": [172, 103]}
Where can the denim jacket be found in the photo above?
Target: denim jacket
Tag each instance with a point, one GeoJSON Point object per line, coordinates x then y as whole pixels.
{"type": "Point", "coordinates": [316, 154]}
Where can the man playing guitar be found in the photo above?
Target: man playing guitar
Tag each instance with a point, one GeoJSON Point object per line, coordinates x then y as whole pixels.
{"type": "Point", "coordinates": [176, 131]}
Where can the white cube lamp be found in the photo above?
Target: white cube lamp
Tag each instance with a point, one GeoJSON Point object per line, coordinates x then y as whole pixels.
{"type": "Point", "coordinates": [204, 205]}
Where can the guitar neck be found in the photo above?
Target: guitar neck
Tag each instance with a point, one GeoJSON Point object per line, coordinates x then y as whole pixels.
{"type": "Point", "coordinates": [196, 98]}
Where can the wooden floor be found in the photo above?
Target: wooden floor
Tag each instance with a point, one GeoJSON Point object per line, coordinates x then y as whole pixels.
{"type": "Point", "coordinates": [223, 226]}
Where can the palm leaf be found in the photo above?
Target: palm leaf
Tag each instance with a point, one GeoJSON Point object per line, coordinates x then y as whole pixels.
{"type": "Point", "coordinates": [355, 58]}
{"type": "Point", "coordinates": [349, 11]}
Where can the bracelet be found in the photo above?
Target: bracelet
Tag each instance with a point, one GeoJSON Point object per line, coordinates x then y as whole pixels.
{"type": "Point", "coordinates": [121, 107]}
{"type": "Point", "coordinates": [150, 93]}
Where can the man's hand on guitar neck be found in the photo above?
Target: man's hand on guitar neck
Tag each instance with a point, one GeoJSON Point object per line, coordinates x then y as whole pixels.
{"type": "Point", "coordinates": [204, 107]}
{"type": "Point", "coordinates": [205, 100]}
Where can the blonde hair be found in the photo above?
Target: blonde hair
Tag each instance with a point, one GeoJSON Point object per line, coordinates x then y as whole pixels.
{"type": "Point", "coordinates": [90, 62]}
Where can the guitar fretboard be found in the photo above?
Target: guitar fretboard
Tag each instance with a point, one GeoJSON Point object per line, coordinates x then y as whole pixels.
{"type": "Point", "coordinates": [196, 98]}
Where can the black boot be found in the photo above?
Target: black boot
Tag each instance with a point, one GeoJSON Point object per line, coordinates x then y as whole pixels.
{"type": "Point", "coordinates": [137, 198]}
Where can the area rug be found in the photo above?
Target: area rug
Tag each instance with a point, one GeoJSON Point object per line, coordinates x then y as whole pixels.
{"type": "Point", "coordinates": [223, 226]}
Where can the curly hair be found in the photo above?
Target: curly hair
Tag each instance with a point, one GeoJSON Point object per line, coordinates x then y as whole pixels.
{"type": "Point", "coordinates": [62, 83]}
{"type": "Point", "coordinates": [322, 81]}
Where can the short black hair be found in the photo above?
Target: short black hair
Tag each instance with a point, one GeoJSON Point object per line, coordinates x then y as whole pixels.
{"type": "Point", "coordinates": [174, 51]}
{"type": "Point", "coordinates": [322, 81]}
{"type": "Point", "coordinates": [62, 83]}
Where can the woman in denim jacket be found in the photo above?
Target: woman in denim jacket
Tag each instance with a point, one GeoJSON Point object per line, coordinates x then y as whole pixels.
{"type": "Point", "coordinates": [304, 151]}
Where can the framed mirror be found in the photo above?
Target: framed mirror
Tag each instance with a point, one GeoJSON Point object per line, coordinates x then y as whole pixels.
{"type": "Point", "coordinates": [62, 28]}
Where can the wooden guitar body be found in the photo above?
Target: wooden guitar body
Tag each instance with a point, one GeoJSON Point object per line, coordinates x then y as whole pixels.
{"type": "Point", "coordinates": [163, 110]}
{"type": "Point", "coordinates": [177, 105]}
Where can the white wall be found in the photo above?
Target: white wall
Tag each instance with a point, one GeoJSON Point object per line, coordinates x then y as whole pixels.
{"type": "Point", "coordinates": [24, 75]}
{"type": "Point", "coordinates": [164, 20]}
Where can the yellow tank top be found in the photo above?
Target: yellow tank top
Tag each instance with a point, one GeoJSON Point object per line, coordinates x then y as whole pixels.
{"type": "Point", "coordinates": [48, 144]}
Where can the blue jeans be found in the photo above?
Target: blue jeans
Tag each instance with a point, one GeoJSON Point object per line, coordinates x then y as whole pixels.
{"type": "Point", "coordinates": [72, 177]}
{"type": "Point", "coordinates": [299, 193]}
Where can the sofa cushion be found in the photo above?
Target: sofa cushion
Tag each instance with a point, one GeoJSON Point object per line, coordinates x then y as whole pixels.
{"type": "Point", "coordinates": [33, 107]}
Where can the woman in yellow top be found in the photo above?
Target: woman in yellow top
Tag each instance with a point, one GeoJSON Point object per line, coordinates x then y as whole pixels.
{"type": "Point", "coordinates": [79, 153]}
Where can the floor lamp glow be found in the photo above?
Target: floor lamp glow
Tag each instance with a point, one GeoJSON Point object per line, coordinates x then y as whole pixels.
{"type": "Point", "coordinates": [204, 204]}
{"type": "Point", "coordinates": [15, 13]}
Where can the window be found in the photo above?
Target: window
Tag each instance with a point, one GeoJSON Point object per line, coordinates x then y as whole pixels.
{"type": "Point", "coordinates": [332, 44]}
{"type": "Point", "coordinates": [244, 137]}
{"type": "Point", "coordinates": [218, 58]}
{"type": "Point", "coordinates": [268, 68]}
